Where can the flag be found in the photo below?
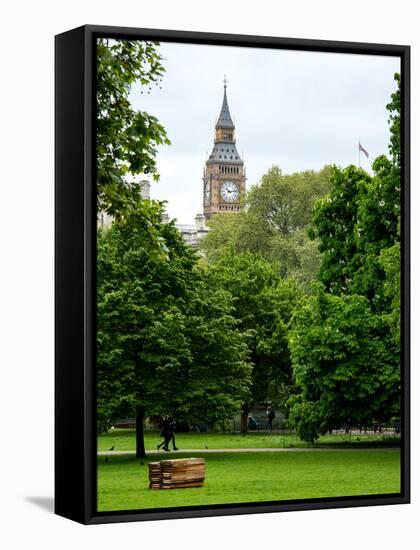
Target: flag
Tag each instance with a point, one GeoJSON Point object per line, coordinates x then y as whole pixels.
{"type": "Point", "coordinates": [361, 148]}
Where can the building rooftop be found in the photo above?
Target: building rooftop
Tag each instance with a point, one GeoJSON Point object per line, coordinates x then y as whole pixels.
{"type": "Point", "coordinates": [225, 120]}
{"type": "Point", "coordinates": [225, 152]}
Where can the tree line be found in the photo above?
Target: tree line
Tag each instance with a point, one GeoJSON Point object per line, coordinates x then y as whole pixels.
{"type": "Point", "coordinates": [295, 302]}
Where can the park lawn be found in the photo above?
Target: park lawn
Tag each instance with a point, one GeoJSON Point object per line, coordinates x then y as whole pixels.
{"type": "Point", "coordinates": [124, 440]}
{"type": "Point", "coordinates": [252, 477]}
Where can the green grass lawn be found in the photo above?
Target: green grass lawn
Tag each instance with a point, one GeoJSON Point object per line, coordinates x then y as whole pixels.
{"type": "Point", "coordinates": [252, 477]}
{"type": "Point", "coordinates": [124, 440]}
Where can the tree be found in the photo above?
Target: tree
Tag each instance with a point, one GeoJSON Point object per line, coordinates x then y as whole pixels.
{"type": "Point", "coordinates": [335, 225]}
{"type": "Point", "coordinates": [345, 365]}
{"type": "Point", "coordinates": [353, 224]}
{"type": "Point", "coordinates": [345, 343]}
{"type": "Point", "coordinates": [126, 139]}
{"type": "Point", "coordinates": [390, 260]}
{"type": "Point", "coordinates": [297, 255]}
{"type": "Point", "coordinates": [394, 120]}
{"type": "Point", "coordinates": [167, 342]}
{"type": "Point", "coordinates": [263, 306]}
{"type": "Point", "coordinates": [284, 202]}
{"type": "Point", "coordinates": [225, 235]}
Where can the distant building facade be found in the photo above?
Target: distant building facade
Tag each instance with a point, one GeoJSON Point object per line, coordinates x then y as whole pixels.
{"type": "Point", "coordinates": [194, 234]}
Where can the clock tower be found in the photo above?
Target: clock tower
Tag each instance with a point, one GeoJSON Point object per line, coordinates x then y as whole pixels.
{"type": "Point", "coordinates": [224, 171]}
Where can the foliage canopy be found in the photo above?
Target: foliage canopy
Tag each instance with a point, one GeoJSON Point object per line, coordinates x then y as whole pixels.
{"type": "Point", "coordinates": [126, 139]}
{"type": "Point", "coordinates": [168, 342]}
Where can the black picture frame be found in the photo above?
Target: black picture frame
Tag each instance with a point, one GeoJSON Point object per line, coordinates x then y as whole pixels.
{"type": "Point", "coordinates": [75, 231]}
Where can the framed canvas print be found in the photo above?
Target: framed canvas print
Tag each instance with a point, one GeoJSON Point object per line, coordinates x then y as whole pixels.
{"type": "Point", "coordinates": [232, 274]}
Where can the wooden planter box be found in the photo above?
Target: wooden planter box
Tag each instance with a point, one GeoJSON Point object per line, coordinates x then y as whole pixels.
{"type": "Point", "coordinates": [177, 473]}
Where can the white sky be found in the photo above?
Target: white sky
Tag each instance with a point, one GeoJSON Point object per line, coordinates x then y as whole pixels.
{"type": "Point", "coordinates": [298, 110]}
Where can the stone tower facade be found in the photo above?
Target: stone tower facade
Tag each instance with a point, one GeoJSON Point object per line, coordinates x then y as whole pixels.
{"type": "Point", "coordinates": [224, 172]}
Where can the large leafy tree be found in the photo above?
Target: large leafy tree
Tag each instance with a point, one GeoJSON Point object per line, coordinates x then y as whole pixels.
{"type": "Point", "coordinates": [263, 306]}
{"type": "Point", "coordinates": [283, 202]}
{"type": "Point", "coordinates": [167, 341]}
{"type": "Point", "coordinates": [335, 221]}
{"type": "Point", "coordinates": [353, 224]}
{"type": "Point", "coordinates": [126, 139]}
{"type": "Point", "coordinates": [344, 363]}
{"type": "Point", "coordinates": [346, 343]}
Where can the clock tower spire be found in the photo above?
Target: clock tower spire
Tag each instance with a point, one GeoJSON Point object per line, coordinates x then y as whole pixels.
{"type": "Point", "coordinates": [224, 171]}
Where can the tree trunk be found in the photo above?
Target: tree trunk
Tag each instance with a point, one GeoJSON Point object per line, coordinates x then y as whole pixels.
{"type": "Point", "coordinates": [244, 419]}
{"type": "Point", "coordinates": [140, 450]}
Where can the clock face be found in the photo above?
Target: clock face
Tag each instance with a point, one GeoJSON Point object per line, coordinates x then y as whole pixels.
{"type": "Point", "coordinates": [229, 191]}
{"type": "Point", "coordinates": [207, 193]}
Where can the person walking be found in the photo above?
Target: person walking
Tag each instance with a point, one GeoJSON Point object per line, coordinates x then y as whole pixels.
{"type": "Point", "coordinates": [172, 425]}
{"type": "Point", "coordinates": [165, 433]}
{"type": "Point", "coordinates": [168, 434]}
{"type": "Point", "coordinates": [270, 417]}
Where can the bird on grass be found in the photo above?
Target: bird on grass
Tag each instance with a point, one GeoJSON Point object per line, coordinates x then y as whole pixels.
{"type": "Point", "coordinates": [112, 448]}
{"type": "Point", "coordinates": [206, 447]}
